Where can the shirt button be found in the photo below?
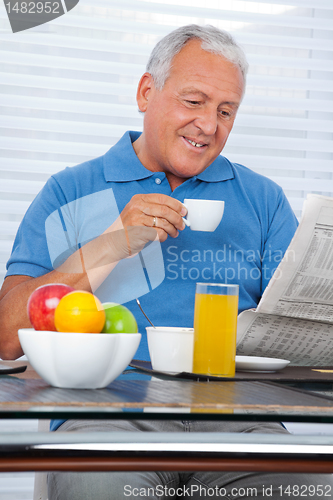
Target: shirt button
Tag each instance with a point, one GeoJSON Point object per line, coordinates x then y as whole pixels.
{"type": "Point", "coordinates": [158, 180]}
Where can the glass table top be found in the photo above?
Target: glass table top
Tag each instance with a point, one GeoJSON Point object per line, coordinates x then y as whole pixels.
{"type": "Point", "coordinates": [137, 395]}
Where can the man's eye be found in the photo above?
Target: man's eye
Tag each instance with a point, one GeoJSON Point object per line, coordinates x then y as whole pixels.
{"type": "Point", "coordinates": [226, 114]}
{"type": "Point", "coordinates": [192, 102]}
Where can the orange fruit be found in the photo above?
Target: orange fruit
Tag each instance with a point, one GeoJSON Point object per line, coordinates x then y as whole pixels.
{"type": "Point", "coordinates": [79, 311]}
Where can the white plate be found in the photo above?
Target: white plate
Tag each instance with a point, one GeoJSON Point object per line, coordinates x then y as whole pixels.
{"type": "Point", "coordinates": [255, 364]}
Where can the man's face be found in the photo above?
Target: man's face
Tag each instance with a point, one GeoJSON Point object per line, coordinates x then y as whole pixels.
{"type": "Point", "coordinates": [187, 123]}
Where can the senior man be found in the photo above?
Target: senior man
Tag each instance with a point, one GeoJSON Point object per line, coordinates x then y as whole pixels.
{"type": "Point", "coordinates": [190, 95]}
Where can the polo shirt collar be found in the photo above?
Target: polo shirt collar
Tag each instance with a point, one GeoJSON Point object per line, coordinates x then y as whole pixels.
{"type": "Point", "coordinates": [219, 170]}
{"type": "Point", "coordinates": [122, 153]}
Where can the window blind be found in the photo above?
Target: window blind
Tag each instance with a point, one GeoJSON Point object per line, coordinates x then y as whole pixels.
{"type": "Point", "coordinates": [67, 91]}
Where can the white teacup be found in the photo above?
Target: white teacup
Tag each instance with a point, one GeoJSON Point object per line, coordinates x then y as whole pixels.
{"type": "Point", "coordinates": [203, 215]}
{"type": "Point", "coordinates": [171, 348]}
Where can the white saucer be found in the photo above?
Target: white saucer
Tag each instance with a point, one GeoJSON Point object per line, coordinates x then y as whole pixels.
{"type": "Point", "coordinates": [255, 364]}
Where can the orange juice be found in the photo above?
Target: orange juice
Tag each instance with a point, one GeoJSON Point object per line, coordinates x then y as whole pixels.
{"type": "Point", "coordinates": [215, 328]}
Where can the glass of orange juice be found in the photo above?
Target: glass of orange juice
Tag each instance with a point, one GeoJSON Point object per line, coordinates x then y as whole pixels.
{"type": "Point", "coordinates": [215, 329]}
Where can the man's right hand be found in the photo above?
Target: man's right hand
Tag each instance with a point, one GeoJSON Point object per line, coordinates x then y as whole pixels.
{"type": "Point", "coordinates": [160, 211]}
{"type": "Point", "coordinates": [90, 265]}
{"type": "Point", "coordinates": [147, 217]}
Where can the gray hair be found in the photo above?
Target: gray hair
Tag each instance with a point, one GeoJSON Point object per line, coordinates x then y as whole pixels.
{"type": "Point", "coordinates": [213, 40]}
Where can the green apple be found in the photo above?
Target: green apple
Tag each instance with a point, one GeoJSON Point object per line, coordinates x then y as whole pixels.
{"type": "Point", "coordinates": [119, 319]}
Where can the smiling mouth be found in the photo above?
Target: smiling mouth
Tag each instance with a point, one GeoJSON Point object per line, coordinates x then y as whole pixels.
{"type": "Point", "coordinates": [195, 144]}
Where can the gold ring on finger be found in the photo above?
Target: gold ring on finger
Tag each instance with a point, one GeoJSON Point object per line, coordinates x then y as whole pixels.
{"type": "Point", "coordinates": [155, 222]}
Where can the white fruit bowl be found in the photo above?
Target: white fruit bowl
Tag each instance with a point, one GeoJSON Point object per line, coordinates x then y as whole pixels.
{"type": "Point", "coordinates": [78, 360]}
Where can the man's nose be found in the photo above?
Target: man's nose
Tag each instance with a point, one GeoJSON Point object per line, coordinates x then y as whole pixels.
{"type": "Point", "coordinates": [206, 121]}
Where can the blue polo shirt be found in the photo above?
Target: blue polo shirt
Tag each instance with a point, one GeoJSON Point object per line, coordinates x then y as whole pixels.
{"type": "Point", "coordinates": [79, 203]}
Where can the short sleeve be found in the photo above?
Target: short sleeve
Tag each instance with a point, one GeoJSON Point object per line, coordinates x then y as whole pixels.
{"type": "Point", "coordinates": [282, 227]}
{"type": "Point", "coordinates": [30, 255]}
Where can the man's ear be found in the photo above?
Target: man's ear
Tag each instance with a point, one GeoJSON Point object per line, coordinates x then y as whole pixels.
{"type": "Point", "coordinates": [146, 84]}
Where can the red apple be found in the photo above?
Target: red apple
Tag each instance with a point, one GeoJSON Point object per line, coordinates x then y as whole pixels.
{"type": "Point", "coordinates": [42, 303]}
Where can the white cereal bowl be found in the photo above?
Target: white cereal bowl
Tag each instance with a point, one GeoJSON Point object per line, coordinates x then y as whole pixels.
{"type": "Point", "coordinates": [78, 360]}
{"type": "Point", "coordinates": [170, 348]}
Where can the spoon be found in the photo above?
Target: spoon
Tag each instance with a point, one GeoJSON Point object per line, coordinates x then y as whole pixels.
{"type": "Point", "coordinates": [145, 315]}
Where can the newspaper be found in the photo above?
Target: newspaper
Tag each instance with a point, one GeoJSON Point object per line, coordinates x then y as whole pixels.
{"type": "Point", "coordinates": [294, 319]}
